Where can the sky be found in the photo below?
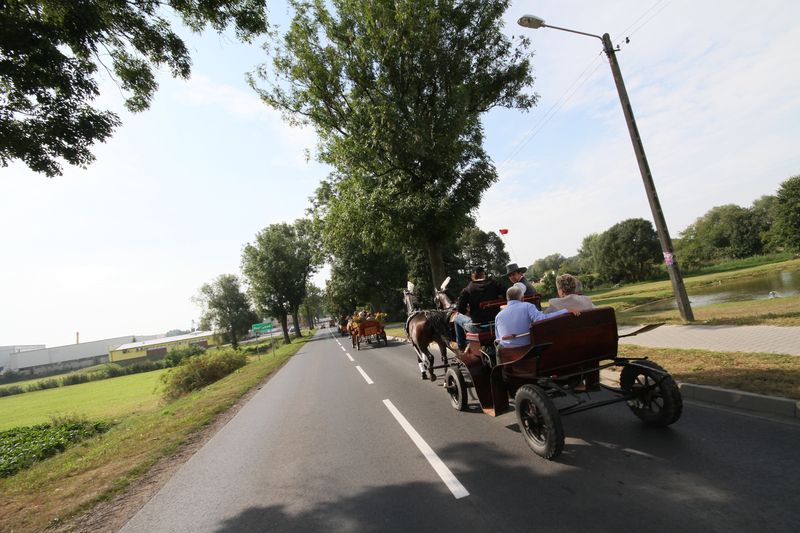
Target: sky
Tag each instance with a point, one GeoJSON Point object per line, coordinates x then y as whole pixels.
{"type": "Point", "coordinates": [121, 247]}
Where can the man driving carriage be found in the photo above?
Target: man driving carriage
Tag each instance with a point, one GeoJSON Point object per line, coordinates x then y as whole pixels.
{"type": "Point", "coordinates": [470, 315]}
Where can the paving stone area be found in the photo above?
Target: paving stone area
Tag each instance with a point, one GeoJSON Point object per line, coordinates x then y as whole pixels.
{"type": "Point", "coordinates": [766, 339]}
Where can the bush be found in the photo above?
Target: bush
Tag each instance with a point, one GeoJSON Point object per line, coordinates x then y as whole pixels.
{"type": "Point", "coordinates": [177, 355]}
{"type": "Point", "coordinates": [11, 390]}
{"type": "Point", "coordinates": [23, 446]}
{"type": "Point", "coordinates": [197, 372]}
{"type": "Point", "coordinates": [43, 384]}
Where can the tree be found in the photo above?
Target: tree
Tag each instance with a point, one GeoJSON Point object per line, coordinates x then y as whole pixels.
{"type": "Point", "coordinates": [477, 247]}
{"type": "Point", "coordinates": [360, 277]}
{"type": "Point", "coordinates": [311, 308]}
{"type": "Point", "coordinates": [277, 267]}
{"type": "Point", "coordinates": [725, 231]}
{"type": "Point", "coordinates": [226, 308]}
{"type": "Point", "coordinates": [50, 52]}
{"type": "Point", "coordinates": [542, 266]}
{"type": "Point", "coordinates": [629, 251]}
{"type": "Point", "coordinates": [589, 253]}
{"type": "Point", "coordinates": [395, 90]}
{"type": "Point", "coordinates": [787, 213]}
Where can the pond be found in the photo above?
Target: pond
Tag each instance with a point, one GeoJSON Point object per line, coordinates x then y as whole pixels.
{"type": "Point", "coordinates": [771, 285]}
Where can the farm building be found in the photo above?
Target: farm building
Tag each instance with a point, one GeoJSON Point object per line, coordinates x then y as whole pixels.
{"type": "Point", "coordinates": [158, 348]}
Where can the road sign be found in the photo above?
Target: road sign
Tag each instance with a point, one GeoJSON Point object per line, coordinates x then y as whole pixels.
{"type": "Point", "coordinates": [261, 327]}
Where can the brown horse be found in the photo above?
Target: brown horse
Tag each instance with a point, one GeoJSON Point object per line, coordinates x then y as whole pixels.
{"type": "Point", "coordinates": [424, 327]}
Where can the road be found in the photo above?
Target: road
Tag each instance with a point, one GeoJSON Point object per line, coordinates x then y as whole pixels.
{"type": "Point", "coordinates": [320, 448]}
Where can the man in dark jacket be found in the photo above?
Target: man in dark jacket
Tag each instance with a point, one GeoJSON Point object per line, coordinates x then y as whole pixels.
{"type": "Point", "coordinates": [516, 274]}
{"type": "Point", "coordinates": [480, 289]}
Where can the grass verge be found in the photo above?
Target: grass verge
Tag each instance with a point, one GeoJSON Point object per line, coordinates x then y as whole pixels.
{"type": "Point", "coordinates": [760, 373]}
{"type": "Point", "coordinates": [98, 468]}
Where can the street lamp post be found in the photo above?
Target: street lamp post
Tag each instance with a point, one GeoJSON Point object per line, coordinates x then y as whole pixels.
{"type": "Point", "coordinates": [533, 22]}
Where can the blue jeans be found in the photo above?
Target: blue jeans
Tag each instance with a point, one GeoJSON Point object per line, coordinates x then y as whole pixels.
{"type": "Point", "coordinates": [464, 323]}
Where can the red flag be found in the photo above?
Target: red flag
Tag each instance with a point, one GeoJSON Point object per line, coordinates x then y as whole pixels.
{"type": "Point", "coordinates": [503, 231]}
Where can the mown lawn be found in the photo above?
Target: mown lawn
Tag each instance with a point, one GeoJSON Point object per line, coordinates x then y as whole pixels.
{"type": "Point", "coordinates": [108, 398]}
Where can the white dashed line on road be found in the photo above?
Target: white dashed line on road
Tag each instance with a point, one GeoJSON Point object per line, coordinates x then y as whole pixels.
{"type": "Point", "coordinates": [349, 356]}
{"type": "Point", "coordinates": [365, 376]}
{"type": "Point", "coordinates": [438, 465]}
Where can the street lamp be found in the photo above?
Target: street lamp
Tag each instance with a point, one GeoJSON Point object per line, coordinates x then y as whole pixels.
{"type": "Point", "coordinates": [533, 22]}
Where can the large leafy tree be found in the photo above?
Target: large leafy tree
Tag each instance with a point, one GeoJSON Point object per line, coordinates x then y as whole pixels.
{"type": "Point", "coordinates": [226, 308]}
{"type": "Point", "coordinates": [277, 266]}
{"type": "Point", "coordinates": [542, 266]}
{"type": "Point", "coordinates": [50, 53]}
{"type": "Point", "coordinates": [395, 90]}
{"type": "Point", "coordinates": [362, 276]}
{"type": "Point", "coordinates": [787, 213]}
{"type": "Point", "coordinates": [478, 247]}
{"type": "Point", "coordinates": [628, 251]}
{"type": "Point", "coordinates": [725, 231]}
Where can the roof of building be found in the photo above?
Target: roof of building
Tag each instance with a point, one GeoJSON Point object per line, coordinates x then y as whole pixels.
{"type": "Point", "coordinates": [162, 340]}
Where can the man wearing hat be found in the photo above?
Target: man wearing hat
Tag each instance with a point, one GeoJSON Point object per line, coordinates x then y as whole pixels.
{"type": "Point", "coordinates": [470, 314]}
{"type": "Point", "coordinates": [515, 275]}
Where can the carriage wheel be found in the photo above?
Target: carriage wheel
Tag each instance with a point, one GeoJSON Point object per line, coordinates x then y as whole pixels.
{"type": "Point", "coordinates": [658, 400]}
{"type": "Point", "coordinates": [539, 421]}
{"type": "Point", "coordinates": [457, 388]}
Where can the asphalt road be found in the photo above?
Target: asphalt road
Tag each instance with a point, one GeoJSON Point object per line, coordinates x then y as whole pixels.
{"type": "Point", "coordinates": [320, 448]}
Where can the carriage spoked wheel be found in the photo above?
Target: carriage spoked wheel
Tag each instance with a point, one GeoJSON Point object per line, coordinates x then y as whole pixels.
{"type": "Point", "coordinates": [457, 388]}
{"type": "Point", "coordinates": [539, 421]}
{"type": "Point", "coordinates": [658, 399]}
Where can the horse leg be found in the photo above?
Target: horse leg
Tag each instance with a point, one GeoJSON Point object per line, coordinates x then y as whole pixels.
{"type": "Point", "coordinates": [429, 358]}
{"type": "Point", "coordinates": [419, 361]}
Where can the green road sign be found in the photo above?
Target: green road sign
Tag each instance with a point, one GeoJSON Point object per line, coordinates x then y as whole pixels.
{"type": "Point", "coordinates": [261, 327]}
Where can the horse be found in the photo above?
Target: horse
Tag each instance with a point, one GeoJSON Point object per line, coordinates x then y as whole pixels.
{"type": "Point", "coordinates": [422, 328]}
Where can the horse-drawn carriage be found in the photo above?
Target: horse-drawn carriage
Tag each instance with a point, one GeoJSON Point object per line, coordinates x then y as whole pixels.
{"type": "Point", "coordinates": [561, 366]}
{"type": "Point", "coordinates": [368, 331]}
{"type": "Point", "coordinates": [552, 377]}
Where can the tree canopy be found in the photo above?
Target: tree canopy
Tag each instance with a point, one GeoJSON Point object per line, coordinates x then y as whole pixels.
{"type": "Point", "coordinates": [787, 213]}
{"type": "Point", "coordinates": [277, 266]}
{"type": "Point", "coordinates": [50, 53]}
{"type": "Point", "coordinates": [395, 90]}
{"type": "Point", "coordinates": [226, 308]}
{"type": "Point", "coordinates": [629, 251]}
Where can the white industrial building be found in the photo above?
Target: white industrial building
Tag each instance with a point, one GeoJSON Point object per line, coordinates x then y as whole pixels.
{"type": "Point", "coordinates": [43, 360]}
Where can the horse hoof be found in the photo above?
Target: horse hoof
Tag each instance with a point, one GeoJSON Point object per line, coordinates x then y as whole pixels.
{"type": "Point", "coordinates": [424, 375]}
{"type": "Point", "coordinates": [433, 376]}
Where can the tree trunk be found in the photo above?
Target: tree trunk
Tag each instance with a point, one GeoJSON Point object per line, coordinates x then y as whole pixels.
{"type": "Point", "coordinates": [296, 318]}
{"type": "Point", "coordinates": [437, 262]}
{"type": "Point", "coordinates": [285, 328]}
{"type": "Point", "coordinates": [234, 340]}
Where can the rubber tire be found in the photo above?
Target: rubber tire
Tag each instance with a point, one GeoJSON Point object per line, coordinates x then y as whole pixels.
{"type": "Point", "coordinates": [456, 387]}
{"type": "Point", "coordinates": [660, 407]}
{"type": "Point", "coordinates": [548, 442]}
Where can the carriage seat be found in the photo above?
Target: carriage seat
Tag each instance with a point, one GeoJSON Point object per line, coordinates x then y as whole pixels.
{"type": "Point", "coordinates": [485, 336]}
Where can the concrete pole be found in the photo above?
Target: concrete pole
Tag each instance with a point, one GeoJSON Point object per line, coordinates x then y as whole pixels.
{"type": "Point", "coordinates": [655, 206]}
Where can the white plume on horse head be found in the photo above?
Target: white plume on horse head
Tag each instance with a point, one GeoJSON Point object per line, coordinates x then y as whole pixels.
{"type": "Point", "coordinates": [410, 286]}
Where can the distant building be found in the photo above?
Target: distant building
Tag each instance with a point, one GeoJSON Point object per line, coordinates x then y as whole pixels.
{"type": "Point", "coordinates": [7, 351]}
{"type": "Point", "coordinates": [43, 360]}
{"type": "Point", "coordinates": [157, 348]}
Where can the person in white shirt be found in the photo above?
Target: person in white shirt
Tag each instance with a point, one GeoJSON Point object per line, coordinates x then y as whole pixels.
{"type": "Point", "coordinates": [567, 286]}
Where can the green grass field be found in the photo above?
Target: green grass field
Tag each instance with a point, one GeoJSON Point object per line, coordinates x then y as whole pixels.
{"type": "Point", "coordinates": [107, 399]}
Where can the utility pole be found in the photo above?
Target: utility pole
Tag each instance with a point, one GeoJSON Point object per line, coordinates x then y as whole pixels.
{"type": "Point", "coordinates": [652, 197]}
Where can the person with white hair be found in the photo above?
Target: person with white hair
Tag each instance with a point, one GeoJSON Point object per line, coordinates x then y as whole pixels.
{"type": "Point", "coordinates": [569, 295]}
{"type": "Point", "coordinates": [513, 323]}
